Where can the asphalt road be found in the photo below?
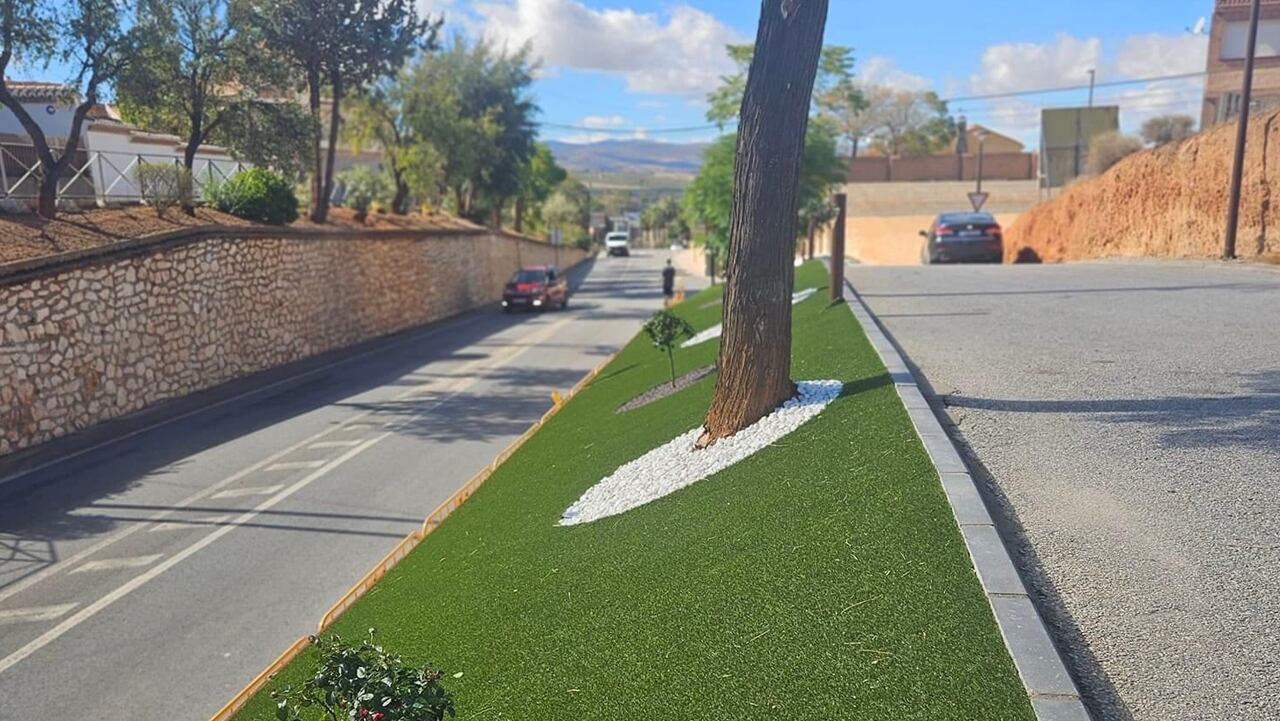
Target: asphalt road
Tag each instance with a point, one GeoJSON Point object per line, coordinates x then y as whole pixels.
{"type": "Point", "coordinates": [153, 576]}
{"type": "Point", "coordinates": [1125, 420]}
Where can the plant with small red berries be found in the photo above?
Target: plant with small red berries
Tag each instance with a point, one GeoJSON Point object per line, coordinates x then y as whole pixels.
{"type": "Point", "coordinates": [364, 683]}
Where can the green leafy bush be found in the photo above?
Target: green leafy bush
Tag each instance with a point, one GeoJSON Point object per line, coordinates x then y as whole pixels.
{"type": "Point", "coordinates": [365, 683]}
{"type": "Point", "coordinates": [665, 329]}
{"type": "Point", "coordinates": [256, 194]}
{"type": "Point", "coordinates": [366, 188]}
{"type": "Point", "coordinates": [164, 185]}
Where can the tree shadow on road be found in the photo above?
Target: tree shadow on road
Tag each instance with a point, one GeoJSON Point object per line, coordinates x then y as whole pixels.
{"type": "Point", "coordinates": [1248, 420]}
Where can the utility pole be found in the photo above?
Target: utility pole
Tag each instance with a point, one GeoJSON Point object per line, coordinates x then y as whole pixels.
{"type": "Point", "coordinates": [1242, 136]}
{"type": "Point", "coordinates": [982, 146]}
{"type": "Point", "coordinates": [1093, 78]}
{"type": "Point", "coordinates": [962, 145]}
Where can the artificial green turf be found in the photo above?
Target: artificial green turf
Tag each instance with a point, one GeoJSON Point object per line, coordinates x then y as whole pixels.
{"type": "Point", "coordinates": [822, 578]}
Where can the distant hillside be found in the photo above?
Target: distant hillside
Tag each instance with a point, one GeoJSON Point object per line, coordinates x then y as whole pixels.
{"type": "Point", "coordinates": [629, 156]}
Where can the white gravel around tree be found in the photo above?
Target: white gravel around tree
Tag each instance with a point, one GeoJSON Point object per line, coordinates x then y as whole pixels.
{"type": "Point", "coordinates": [714, 331]}
{"type": "Point", "coordinates": [675, 465]}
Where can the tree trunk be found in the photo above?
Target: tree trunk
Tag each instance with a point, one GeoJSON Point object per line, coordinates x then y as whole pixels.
{"type": "Point", "coordinates": [755, 350]}
{"type": "Point", "coordinates": [317, 159]}
{"type": "Point", "coordinates": [519, 219]}
{"type": "Point", "coordinates": [495, 221]}
{"type": "Point", "coordinates": [189, 162]}
{"type": "Point", "coordinates": [320, 213]}
{"type": "Point", "coordinates": [47, 198]}
{"type": "Point", "coordinates": [813, 231]}
{"type": "Point", "coordinates": [400, 203]}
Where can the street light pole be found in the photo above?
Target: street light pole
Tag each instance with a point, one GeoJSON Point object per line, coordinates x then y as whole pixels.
{"type": "Point", "coordinates": [1093, 78]}
{"type": "Point", "coordinates": [1242, 135]}
{"type": "Point", "coordinates": [982, 149]}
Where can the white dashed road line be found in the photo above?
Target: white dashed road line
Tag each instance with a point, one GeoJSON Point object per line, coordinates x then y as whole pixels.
{"type": "Point", "coordinates": [249, 491]}
{"type": "Point", "coordinates": [451, 387]}
{"type": "Point", "coordinates": [111, 564]}
{"type": "Point", "coordinates": [334, 444]}
{"type": "Point", "coordinates": [298, 465]}
{"type": "Point", "coordinates": [27, 615]}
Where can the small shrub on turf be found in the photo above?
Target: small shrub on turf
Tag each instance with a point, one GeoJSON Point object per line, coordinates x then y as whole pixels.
{"type": "Point", "coordinates": [163, 186]}
{"type": "Point", "coordinates": [1109, 148]}
{"type": "Point", "coordinates": [666, 329]}
{"type": "Point", "coordinates": [257, 194]}
{"type": "Point", "coordinates": [365, 683]}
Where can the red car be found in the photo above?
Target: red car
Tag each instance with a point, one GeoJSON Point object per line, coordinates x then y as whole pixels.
{"type": "Point", "coordinates": [539, 288]}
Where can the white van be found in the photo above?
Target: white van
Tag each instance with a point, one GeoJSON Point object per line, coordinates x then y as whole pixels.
{"type": "Point", "coordinates": [618, 243]}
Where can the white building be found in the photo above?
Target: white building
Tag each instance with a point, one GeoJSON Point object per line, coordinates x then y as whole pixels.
{"type": "Point", "coordinates": [103, 171]}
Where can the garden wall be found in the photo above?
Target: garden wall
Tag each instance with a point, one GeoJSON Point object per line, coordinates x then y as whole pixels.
{"type": "Point", "coordinates": [88, 338]}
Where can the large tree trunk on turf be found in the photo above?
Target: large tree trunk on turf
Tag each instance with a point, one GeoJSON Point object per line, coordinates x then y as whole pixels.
{"type": "Point", "coordinates": [755, 350]}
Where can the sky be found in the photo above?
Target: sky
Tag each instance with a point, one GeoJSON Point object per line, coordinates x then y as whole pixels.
{"type": "Point", "coordinates": [633, 68]}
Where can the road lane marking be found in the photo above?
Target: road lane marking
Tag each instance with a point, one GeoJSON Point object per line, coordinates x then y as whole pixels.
{"type": "Point", "coordinates": [456, 385]}
{"type": "Point", "coordinates": [30, 615]}
{"type": "Point", "coordinates": [335, 444]}
{"type": "Point", "coordinates": [185, 503]}
{"type": "Point", "coordinates": [136, 582]}
{"type": "Point", "coordinates": [250, 491]}
{"type": "Point", "coordinates": [296, 465]}
{"type": "Point", "coordinates": [193, 523]}
{"type": "Point", "coordinates": [355, 422]}
{"type": "Point", "coordinates": [111, 564]}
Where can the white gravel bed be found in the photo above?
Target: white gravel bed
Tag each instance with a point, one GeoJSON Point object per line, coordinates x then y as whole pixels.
{"type": "Point", "coordinates": [675, 465]}
{"type": "Point", "coordinates": [714, 331]}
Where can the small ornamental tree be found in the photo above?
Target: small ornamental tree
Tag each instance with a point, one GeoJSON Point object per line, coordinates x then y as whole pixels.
{"type": "Point", "coordinates": [365, 683]}
{"type": "Point", "coordinates": [666, 329]}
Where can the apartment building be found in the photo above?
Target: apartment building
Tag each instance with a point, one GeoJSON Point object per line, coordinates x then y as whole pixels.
{"type": "Point", "coordinates": [1228, 41]}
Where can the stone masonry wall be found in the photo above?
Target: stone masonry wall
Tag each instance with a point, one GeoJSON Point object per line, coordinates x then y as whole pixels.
{"type": "Point", "coordinates": [98, 340]}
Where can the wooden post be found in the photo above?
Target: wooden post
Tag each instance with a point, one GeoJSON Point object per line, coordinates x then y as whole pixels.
{"type": "Point", "coordinates": [837, 249]}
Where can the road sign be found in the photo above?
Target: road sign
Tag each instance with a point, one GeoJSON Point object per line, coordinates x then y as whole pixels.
{"type": "Point", "coordinates": [978, 200]}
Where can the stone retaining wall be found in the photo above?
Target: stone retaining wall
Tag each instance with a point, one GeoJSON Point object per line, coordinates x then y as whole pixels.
{"type": "Point", "coordinates": [86, 341]}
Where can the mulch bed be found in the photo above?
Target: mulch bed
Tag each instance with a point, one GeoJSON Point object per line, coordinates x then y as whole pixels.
{"type": "Point", "coordinates": [663, 390]}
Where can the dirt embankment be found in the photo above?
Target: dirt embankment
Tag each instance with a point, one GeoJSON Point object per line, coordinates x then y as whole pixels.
{"type": "Point", "coordinates": [1169, 202]}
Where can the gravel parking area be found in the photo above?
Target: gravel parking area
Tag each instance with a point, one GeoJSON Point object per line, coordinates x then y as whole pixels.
{"type": "Point", "coordinates": [1125, 419]}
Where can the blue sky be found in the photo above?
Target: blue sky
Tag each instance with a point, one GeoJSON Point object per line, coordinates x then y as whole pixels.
{"type": "Point", "coordinates": [627, 64]}
{"type": "Point", "coordinates": [629, 68]}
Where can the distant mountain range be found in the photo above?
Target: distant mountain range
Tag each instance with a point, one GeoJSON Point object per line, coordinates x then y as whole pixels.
{"type": "Point", "coordinates": [629, 156]}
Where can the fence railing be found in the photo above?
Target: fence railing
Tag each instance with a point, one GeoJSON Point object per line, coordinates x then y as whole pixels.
{"type": "Point", "coordinates": [101, 176]}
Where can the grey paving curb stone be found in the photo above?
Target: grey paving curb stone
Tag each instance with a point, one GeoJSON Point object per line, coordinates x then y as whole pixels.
{"type": "Point", "coordinates": [1053, 694]}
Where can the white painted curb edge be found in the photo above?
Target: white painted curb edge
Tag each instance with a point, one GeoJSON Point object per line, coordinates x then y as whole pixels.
{"type": "Point", "coordinates": [1053, 694]}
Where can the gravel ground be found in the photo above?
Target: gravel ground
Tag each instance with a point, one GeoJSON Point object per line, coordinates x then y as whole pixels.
{"type": "Point", "coordinates": [1125, 417]}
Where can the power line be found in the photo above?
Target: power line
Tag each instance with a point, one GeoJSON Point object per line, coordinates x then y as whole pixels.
{"type": "Point", "coordinates": [958, 99]}
{"type": "Point", "coordinates": [1075, 88]}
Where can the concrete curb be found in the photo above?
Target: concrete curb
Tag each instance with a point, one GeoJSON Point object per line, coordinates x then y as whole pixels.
{"type": "Point", "coordinates": [1053, 694]}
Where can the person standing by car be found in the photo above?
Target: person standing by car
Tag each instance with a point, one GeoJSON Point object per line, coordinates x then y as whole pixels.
{"type": "Point", "coordinates": [668, 283]}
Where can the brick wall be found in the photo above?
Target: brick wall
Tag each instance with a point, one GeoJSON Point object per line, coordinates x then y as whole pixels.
{"type": "Point", "coordinates": [87, 339]}
{"type": "Point", "coordinates": [995, 166]}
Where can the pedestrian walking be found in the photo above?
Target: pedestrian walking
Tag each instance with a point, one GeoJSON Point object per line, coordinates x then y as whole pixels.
{"type": "Point", "coordinates": [668, 284]}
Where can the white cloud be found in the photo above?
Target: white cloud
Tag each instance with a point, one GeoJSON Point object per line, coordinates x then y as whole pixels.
{"type": "Point", "coordinates": [1149, 56]}
{"type": "Point", "coordinates": [1026, 66]}
{"type": "Point", "coordinates": [604, 121]}
{"type": "Point", "coordinates": [681, 53]}
{"type": "Point", "coordinates": [878, 70]}
{"type": "Point", "coordinates": [1066, 62]}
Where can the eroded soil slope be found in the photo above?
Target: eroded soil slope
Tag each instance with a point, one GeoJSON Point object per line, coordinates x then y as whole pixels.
{"type": "Point", "coordinates": [1170, 201]}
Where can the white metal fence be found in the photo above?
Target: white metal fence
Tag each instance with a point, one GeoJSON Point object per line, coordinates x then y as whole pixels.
{"type": "Point", "coordinates": [100, 177]}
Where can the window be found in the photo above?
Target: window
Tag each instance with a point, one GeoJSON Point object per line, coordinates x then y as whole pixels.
{"type": "Point", "coordinates": [1235, 39]}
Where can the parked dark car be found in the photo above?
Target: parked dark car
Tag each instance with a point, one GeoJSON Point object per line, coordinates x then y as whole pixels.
{"type": "Point", "coordinates": [537, 288]}
{"type": "Point", "coordinates": [963, 238]}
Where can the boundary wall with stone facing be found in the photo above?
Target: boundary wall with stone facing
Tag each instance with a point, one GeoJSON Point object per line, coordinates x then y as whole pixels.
{"type": "Point", "coordinates": [99, 334]}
